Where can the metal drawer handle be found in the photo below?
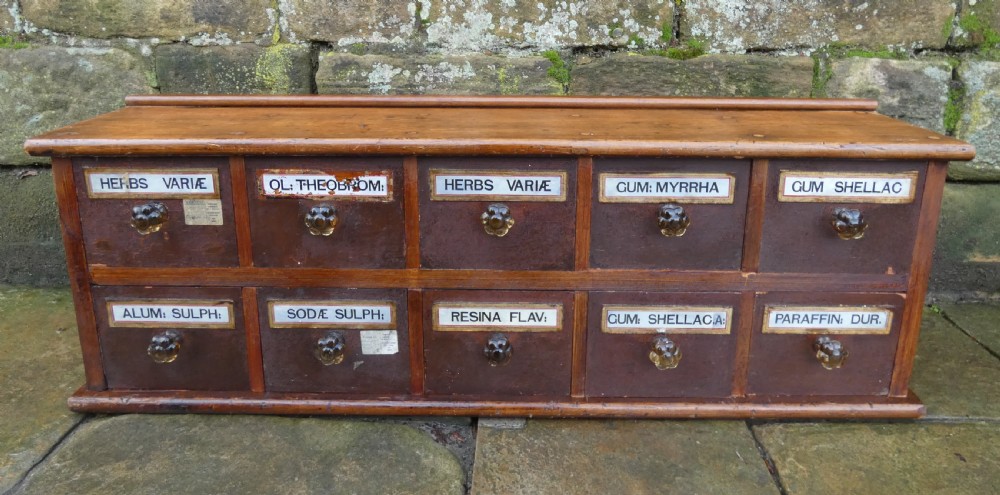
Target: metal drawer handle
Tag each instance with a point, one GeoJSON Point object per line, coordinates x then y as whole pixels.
{"type": "Point", "coordinates": [666, 354]}
{"type": "Point", "coordinates": [149, 218]}
{"type": "Point", "coordinates": [164, 347]}
{"type": "Point", "coordinates": [830, 353]}
{"type": "Point", "coordinates": [498, 349]}
{"type": "Point", "coordinates": [497, 219]}
{"type": "Point", "coordinates": [322, 220]}
{"type": "Point", "coordinates": [849, 223]}
{"type": "Point", "coordinates": [673, 220]}
{"type": "Point", "coordinates": [330, 349]}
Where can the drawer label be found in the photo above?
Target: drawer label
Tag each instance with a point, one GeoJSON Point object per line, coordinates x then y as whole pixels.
{"type": "Point", "coordinates": [320, 184]}
{"type": "Point", "coordinates": [379, 342]}
{"type": "Point", "coordinates": [827, 319]}
{"type": "Point", "coordinates": [174, 313]}
{"type": "Point", "coordinates": [497, 185]}
{"type": "Point", "coordinates": [203, 212]}
{"type": "Point", "coordinates": [189, 183]}
{"type": "Point", "coordinates": [507, 317]}
{"type": "Point", "coordinates": [332, 314]}
{"type": "Point", "coordinates": [662, 187]}
{"type": "Point", "coordinates": [846, 187]}
{"type": "Point", "coordinates": [666, 319]}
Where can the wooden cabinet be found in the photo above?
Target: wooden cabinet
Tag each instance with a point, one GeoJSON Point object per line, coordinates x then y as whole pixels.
{"type": "Point", "coordinates": [510, 256]}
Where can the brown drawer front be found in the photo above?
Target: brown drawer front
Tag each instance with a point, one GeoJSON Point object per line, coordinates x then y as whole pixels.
{"type": "Point", "coordinates": [628, 229]}
{"type": "Point", "coordinates": [787, 344]}
{"type": "Point", "coordinates": [627, 329]}
{"type": "Point", "coordinates": [188, 199]}
{"type": "Point", "coordinates": [338, 341]}
{"type": "Point", "coordinates": [364, 195]}
{"type": "Point", "coordinates": [175, 338]}
{"type": "Point", "coordinates": [803, 198]}
{"type": "Point", "coordinates": [538, 195]}
{"type": "Point", "coordinates": [530, 334]}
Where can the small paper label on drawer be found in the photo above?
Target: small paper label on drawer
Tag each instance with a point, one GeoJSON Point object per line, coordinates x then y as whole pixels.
{"type": "Point", "coordinates": [507, 317]}
{"type": "Point", "coordinates": [666, 319]}
{"type": "Point", "coordinates": [203, 212]}
{"type": "Point", "coordinates": [152, 184]}
{"type": "Point", "coordinates": [379, 342]}
{"type": "Point", "coordinates": [320, 184]}
{"type": "Point", "coordinates": [171, 313]}
{"type": "Point", "coordinates": [332, 314]}
{"type": "Point", "coordinates": [657, 188]}
{"type": "Point", "coordinates": [846, 187]}
{"type": "Point", "coordinates": [830, 319]}
{"type": "Point", "coordinates": [497, 185]}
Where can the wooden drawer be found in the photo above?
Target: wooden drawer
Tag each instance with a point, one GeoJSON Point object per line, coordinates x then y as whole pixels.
{"type": "Point", "coordinates": [785, 359]}
{"type": "Point", "coordinates": [624, 328]}
{"type": "Point", "coordinates": [539, 194]}
{"type": "Point", "coordinates": [301, 330]}
{"type": "Point", "coordinates": [196, 194]}
{"type": "Point", "coordinates": [364, 195]}
{"type": "Point", "coordinates": [459, 326]}
{"type": "Point", "coordinates": [628, 193]}
{"type": "Point", "coordinates": [200, 329]}
{"type": "Point", "coordinates": [798, 233]}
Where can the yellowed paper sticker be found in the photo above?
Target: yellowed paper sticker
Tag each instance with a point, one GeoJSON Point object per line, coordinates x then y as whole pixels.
{"type": "Point", "coordinates": [202, 212]}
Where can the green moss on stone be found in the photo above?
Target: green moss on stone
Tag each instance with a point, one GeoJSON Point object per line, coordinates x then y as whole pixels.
{"type": "Point", "coordinates": [980, 32]}
{"type": "Point", "coordinates": [272, 68]}
{"type": "Point", "coordinates": [12, 44]}
{"type": "Point", "coordinates": [953, 108]}
{"type": "Point", "coordinates": [690, 49]}
{"type": "Point", "coordinates": [559, 71]}
{"type": "Point", "coordinates": [509, 85]}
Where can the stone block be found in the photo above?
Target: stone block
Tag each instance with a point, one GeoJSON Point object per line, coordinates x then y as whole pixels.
{"type": "Point", "coordinates": [884, 457]}
{"type": "Point", "coordinates": [7, 23]}
{"type": "Point", "coordinates": [738, 25]}
{"type": "Point", "coordinates": [30, 241]}
{"type": "Point", "coordinates": [910, 90]}
{"type": "Point", "coordinates": [980, 121]}
{"type": "Point", "coordinates": [475, 74]}
{"type": "Point", "coordinates": [42, 88]}
{"type": "Point", "coordinates": [967, 254]}
{"type": "Point", "coordinates": [235, 69]}
{"type": "Point", "coordinates": [979, 320]}
{"type": "Point", "coordinates": [346, 22]}
{"type": "Point", "coordinates": [169, 454]}
{"type": "Point", "coordinates": [216, 21]}
{"type": "Point", "coordinates": [477, 25]}
{"type": "Point", "coordinates": [709, 75]}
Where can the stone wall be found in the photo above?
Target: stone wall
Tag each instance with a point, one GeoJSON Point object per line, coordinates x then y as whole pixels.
{"type": "Point", "coordinates": [935, 63]}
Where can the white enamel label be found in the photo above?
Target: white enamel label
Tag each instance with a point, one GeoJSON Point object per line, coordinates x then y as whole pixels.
{"type": "Point", "coordinates": [379, 342]}
{"type": "Point", "coordinates": [689, 188]}
{"type": "Point", "coordinates": [529, 186]}
{"type": "Point", "coordinates": [511, 317]}
{"type": "Point", "coordinates": [847, 187]}
{"type": "Point", "coordinates": [315, 184]}
{"type": "Point", "coordinates": [110, 183]}
{"type": "Point", "coordinates": [202, 212]}
{"type": "Point", "coordinates": [333, 314]}
{"type": "Point", "coordinates": [679, 319]}
{"type": "Point", "coordinates": [178, 314]}
{"type": "Point", "coordinates": [833, 319]}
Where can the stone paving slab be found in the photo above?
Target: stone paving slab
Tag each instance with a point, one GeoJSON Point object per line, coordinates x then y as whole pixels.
{"type": "Point", "coordinates": [953, 375]}
{"type": "Point", "coordinates": [817, 458]}
{"type": "Point", "coordinates": [40, 366]}
{"type": "Point", "coordinates": [620, 456]}
{"type": "Point", "coordinates": [982, 321]}
{"type": "Point", "coordinates": [155, 454]}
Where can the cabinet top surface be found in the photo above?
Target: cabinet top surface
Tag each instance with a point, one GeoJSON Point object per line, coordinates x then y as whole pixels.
{"type": "Point", "coordinates": [695, 127]}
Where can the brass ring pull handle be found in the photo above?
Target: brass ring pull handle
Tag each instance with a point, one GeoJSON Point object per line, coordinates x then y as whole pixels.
{"type": "Point", "coordinates": [149, 218]}
{"type": "Point", "coordinates": [497, 219]}
{"type": "Point", "coordinates": [330, 349]}
{"type": "Point", "coordinates": [164, 347]}
{"type": "Point", "coordinates": [322, 220]}
{"type": "Point", "coordinates": [666, 354]}
{"type": "Point", "coordinates": [673, 220]}
{"type": "Point", "coordinates": [498, 349]}
{"type": "Point", "coordinates": [830, 353]}
{"type": "Point", "coordinates": [849, 223]}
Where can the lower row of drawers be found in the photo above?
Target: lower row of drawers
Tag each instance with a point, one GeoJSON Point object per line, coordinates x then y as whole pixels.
{"type": "Point", "coordinates": [527, 352]}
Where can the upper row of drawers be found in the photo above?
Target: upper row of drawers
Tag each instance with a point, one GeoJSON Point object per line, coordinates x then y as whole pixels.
{"type": "Point", "coordinates": [624, 219]}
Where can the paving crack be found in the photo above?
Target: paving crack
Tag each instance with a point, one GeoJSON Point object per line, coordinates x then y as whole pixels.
{"type": "Point", "coordinates": [48, 453]}
{"type": "Point", "coordinates": [768, 461]}
{"type": "Point", "coordinates": [948, 318]}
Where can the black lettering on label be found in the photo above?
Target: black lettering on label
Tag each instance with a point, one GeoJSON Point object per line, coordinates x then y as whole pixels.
{"type": "Point", "coordinates": [143, 313]}
{"type": "Point", "coordinates": [812, 186]}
